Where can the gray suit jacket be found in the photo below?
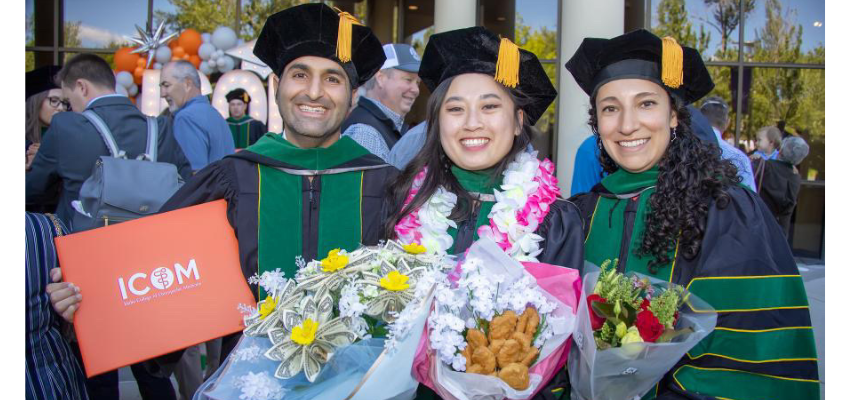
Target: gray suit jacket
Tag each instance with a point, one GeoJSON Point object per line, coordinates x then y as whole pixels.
{"type": "Point", "coordinates": [72, 145]}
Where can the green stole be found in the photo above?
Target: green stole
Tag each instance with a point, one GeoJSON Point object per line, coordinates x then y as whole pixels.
{"type": "Point", "coordinates": [280, 237]}
{"type": "Point", "coordinates": [606, 226]}
{"type": "Point", "coordinates": [475, 182]}
{"type": "Point", "coordinates": [241, 132]}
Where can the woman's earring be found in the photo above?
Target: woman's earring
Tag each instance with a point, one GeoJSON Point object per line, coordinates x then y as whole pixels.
{"type": "Point", "coordinates": [673, 134]}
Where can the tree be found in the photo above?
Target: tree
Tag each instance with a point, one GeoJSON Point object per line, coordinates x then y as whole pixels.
{"type": "Point", "coordinates": [727, 17]}
{"type": "Point", "coordinates": [206, 15]}
{"type": "Point", "coordinates": [543, 42]}
{"type": "Point", "coordinates": [673, 20]}
{"type": "Point", "coordinates": [71, 34]}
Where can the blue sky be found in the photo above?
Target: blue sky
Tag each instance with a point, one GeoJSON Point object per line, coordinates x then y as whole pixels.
{"type": "Point", "coordinates": [101, 20]}
{"type": "Point", "coordinates": [807, 13]}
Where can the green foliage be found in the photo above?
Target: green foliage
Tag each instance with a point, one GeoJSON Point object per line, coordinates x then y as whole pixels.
{"type": "Point", "coordinates": [206, 15]}
{"type": "Point", "coordinates": [544, 43]}
{"type": "Point", "coordinates": [665, 305]}
{"type": "Point", "coordinates": [673, 21]}
{"type": "Point", "coordinates": [794, 96]}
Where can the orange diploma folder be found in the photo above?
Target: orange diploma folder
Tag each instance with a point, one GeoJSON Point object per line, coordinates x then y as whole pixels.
{"type": "Point", "coordinates": [154, 285]}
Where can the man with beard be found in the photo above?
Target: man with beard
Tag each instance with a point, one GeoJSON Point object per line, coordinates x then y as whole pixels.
{"type": "Point", "coordinates": [308, 190]}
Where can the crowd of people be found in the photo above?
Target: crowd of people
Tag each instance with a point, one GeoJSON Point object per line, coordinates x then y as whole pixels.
{"type": "Point", "coordinates": [655, 185]}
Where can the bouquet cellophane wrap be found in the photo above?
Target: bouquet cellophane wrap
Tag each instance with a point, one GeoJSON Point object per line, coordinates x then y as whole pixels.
{"type": "Point", "coordinates": [361, 371]}
{"type": "Point", "coordinates": [631, 370]}
{"type": "Point", "coordinates": [560, 285]}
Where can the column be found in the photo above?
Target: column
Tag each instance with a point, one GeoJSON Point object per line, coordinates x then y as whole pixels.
{"type": "Point", "coordinates": [579, 19]}
{"type": "Point", "coordinates": [453, 14]}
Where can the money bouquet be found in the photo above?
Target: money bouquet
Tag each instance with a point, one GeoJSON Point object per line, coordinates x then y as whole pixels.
{"type": "Point", "coordinates": [340, 326]}
{"type": "Point", "coordinates": [498, 329]}
{"type": "Point", "coordinates": [631, 330]}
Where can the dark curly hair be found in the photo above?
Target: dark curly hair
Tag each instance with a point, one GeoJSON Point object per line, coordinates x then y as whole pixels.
{"type": "Point", "coordinates": [691, 174]}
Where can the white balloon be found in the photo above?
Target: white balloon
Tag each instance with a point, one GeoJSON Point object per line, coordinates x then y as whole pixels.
{"type": "Point", "coordinates": [121, 89]}
{"type": "Point", "coordinates": [219, 53]}
{"type": "Point", "coordinates": [212, 63]}
{"type": "Point", "coordinates": [205, 51]}
{"type": "Point", "coordinates": [163, 54]}
{"type": "Point", "coordinates": [133, 90]}
{"type": "Point", "coordinates": [206, 37]}
{"type": "Point", "coordinates": [124, 79]}
{"type": "Point", "coordinates": [157, 65]}
{"type": "Point", "coordinates": [224, 38]}
{"type": "Point", "coordinates": [226, 64]}
{"type": "Point", "coordinates": [205, 68]}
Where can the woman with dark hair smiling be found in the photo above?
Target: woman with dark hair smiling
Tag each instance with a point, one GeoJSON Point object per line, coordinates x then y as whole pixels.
{"type": "Point", "coordinates": [476, 175]}
{"type": "Point", "coordinates": [673, 209]}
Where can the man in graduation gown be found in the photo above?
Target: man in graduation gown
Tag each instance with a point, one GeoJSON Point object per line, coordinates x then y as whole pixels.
{"type": "Point", "coordinates": [306, 191]}
{"type": "Point", "coordinates": [245, 130]}
{"type": "Point", "coordinates": [763, 346]}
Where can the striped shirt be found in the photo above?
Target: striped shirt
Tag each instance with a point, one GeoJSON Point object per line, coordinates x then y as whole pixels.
{"type": "Point", "coordinates": [52, 371]}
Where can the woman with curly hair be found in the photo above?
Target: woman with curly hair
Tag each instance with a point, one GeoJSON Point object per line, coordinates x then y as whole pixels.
{"type": "Point", "coordinates": [673, 209]}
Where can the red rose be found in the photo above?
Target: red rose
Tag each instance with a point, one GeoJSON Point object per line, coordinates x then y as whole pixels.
{"type": "Point", "coordinates": [649, 326]}
{"type": "Point", "coordinates": [596, 321]}
{"type": "Point", "coordinates": [644, 305]}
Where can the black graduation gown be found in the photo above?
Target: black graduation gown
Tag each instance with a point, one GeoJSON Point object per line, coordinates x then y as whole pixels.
{"type": "Point", "coordinates": [235, 179]}
{"type": "Point", "coordinates": [563, 243]}
{"type": "Point", "coordinates": [779, 187]}
{"type": "Point", "coordinates": [763, 346]}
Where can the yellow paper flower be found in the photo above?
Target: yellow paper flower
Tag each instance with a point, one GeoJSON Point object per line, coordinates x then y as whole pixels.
{"type": "Point", "coordinates": [414, 248]}
{"type": "Point", "coordinates": [267, 307]}
{"type": "Point", "coordinates": [305, 333]}
{"type": "Point", "coordinates": [334, 261]}
{"type": "Point", "coordinates": [395, 281]}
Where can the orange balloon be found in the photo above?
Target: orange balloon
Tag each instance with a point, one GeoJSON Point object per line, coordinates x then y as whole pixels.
{"type": "Point", "coordinates": [190, 40]}
{"type": "Point", "coordinates": [195, 60]}
{"type": "Point", "coordinates": [172, 44]}
{"type": "Point", "coordinates": [138, 74]}
{"type": "Point", "coordinates": [178, 52]}
{"type": "Point", "coordinates": [124, 61]}
{"type": "Point", "coordinates": [186, 57]}
{"type": "Point", "coordinates": [143, 62]}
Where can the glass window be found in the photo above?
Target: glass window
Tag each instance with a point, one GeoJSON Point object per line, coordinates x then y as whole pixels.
{"type": "Point", "coordinates": [533, 26]}
{"type": "Point", "coordinates": [30, 22]}
{"type": "Point", "coordinates": [101, 30]}
{"type": "Point", "coordinates": [710, 26]}
{"type": "Point", "coordinates": [793, 100]}
{"type": "Point", "coordinates": [789, 31]}
{"type": "Point", "coordinates": [203, 17]}
{"type": "Point", "coordinates": [722, 77]}
{"type": "Point", "coordinates": [30, 61]}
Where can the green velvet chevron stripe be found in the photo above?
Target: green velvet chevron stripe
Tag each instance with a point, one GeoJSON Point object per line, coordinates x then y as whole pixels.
{"type": "Point", "coordinates": [771, 345]}
{"type": "Point", "coordinates": [751, 293]}
{"type": "Point", "coordinates": [729, 384]}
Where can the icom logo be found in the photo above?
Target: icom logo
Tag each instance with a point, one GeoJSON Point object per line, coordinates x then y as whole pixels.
{"type": "Point", "coordinates": [161, 278]}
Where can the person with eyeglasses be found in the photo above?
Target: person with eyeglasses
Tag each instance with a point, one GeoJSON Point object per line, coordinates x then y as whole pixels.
{"type": "Point", "coordinates": [44, 99]}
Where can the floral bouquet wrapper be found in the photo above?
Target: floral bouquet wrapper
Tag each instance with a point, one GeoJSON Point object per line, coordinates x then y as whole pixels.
{"type": "Point", "coordinates": [631, 370]}
{"type": "Point", "coordinates": [560, 285]}
{"type": "Point", "coordinates": [263, 365]}
{"type": "Point", "coordinates": [364, 370]}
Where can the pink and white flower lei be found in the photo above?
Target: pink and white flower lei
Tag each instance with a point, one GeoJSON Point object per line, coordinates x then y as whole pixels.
{"type": "Point", "coordinates": [529, 188]}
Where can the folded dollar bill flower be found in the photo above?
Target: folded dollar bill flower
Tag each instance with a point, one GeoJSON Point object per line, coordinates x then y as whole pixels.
{"type": "Point", "coordinates": [308, 337]}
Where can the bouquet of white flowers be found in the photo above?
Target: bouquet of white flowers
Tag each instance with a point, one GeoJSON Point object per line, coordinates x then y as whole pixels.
{"type": "Point", "coordinates": [343, 324]}
{"type": "Point", "coordinates": [498, 328]}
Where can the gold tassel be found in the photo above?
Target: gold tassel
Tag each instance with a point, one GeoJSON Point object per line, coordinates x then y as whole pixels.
{"type": "Point", "coordinates": [507, 66]}
{"type": "Point", "coordinates": [245, 97]}
{"type": "Point", "coordinates": [343, 38]}
{"type": "Point", "coordinates": [672, 73]}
